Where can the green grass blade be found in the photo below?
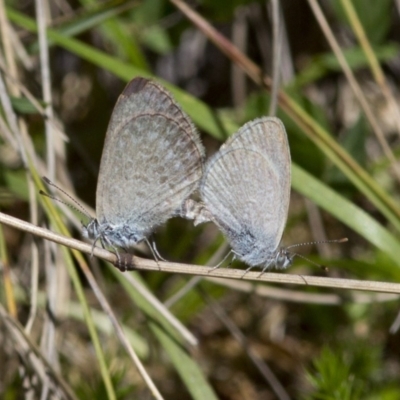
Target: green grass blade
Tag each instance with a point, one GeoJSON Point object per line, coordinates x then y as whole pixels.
{"type": "Point", "coordinates": [187, 368]}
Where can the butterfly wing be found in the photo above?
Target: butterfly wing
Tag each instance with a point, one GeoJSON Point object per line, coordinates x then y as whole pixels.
{"type": "Point", "coordinates": [267, 135]}
{"type": "Point", "coordinates": [246, 187]}
{"type": "Point", "coordinates": [152, 159]}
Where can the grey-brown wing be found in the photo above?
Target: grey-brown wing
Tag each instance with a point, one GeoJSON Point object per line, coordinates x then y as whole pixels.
{"type": "Point", "coordinates": [244, 192]}
{"type": "Point", "coordinates": [261, 134]}
{"type": "Point", "coordinates": [152, 158]}
{"type": "Point", "coordinates": [268, 136]}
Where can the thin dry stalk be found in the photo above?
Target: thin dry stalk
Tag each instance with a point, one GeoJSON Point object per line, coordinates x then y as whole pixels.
{"type": "Point", "coordinates": [188, 269]}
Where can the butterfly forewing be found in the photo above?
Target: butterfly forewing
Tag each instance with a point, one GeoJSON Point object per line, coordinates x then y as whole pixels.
{"type": "Point", "coordinates": [245, 209]}
{"type": "Point", "coordinates": [267, 135]}
{"type": "Point", "coordinates": [246, 187]}
{"type": "Point", "coordinates": [152, 159]}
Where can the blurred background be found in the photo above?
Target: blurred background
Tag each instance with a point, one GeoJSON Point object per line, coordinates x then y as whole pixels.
{"type": "Point", "coordinates": [331, 71]}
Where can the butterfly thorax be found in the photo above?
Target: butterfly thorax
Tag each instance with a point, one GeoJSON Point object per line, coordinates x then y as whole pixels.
{"type": "Point", "coordinates": [114, 235]}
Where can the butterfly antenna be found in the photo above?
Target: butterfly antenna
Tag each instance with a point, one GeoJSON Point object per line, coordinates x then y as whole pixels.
{"type": "Point", "coordinates": [342, 240]}
{"type": "Point", "coordinates": [323, 267]}
{"type": "Point", "coordinates": [79, 208]}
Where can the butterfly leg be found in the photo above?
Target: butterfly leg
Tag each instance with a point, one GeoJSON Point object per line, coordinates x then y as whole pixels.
{"type": "Point", "coordinates": [246, 271]}
{"type": "Point", "coordinates": [266, 266]}
{"type": "Point", "coordinates": [94, 244]}
{"type": "Point", "coordinates": [120, 264]}
{"type": "Point", "coordinates": [154, 252]}
{"type": "Point", "coordinates": [223, 260]}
